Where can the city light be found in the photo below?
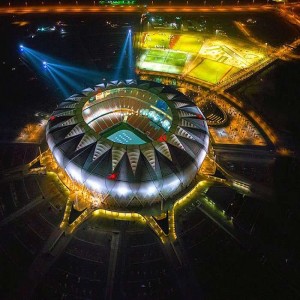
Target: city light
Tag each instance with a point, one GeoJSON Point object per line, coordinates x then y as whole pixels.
{"type": "Point", "coordinates": [131, 63]}
{"type": "Point", "coordinates": [121, 58]}
{"type": "Point", "coordinates": [153, 186]}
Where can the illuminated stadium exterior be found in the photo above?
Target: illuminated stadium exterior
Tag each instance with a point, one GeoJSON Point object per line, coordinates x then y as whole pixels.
{"type": "Point", "coordinates": [139, 142]}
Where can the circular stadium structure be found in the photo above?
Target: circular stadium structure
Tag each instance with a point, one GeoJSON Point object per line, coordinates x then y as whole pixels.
{"type": "Point", "coordinates": [139, 142]}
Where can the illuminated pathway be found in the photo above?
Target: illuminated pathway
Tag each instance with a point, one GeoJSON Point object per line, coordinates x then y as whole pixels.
{"type": "Point", "coordinates": [112, 264]}
{"type": "Point", "coordinates": [73, 9]}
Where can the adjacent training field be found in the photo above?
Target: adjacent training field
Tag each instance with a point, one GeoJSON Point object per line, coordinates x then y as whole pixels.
{"type": "Point", "coordinates": [210, 71]}
{"type": "Point", "coordinates": [188, 43]}
{"type": "Point", "coordinates": [209, 59]}
{"type": "Point", "coordinates": [156, 40]}
{"type": "Point", "coordinates": [163, 61]}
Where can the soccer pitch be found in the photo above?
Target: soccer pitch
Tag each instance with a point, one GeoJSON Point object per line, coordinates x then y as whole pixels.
{"type": "Point", "coordinates": [178, 42]}
{"type": "Point", "coordinates": [157, 40]}
{"type": "Point", "coordinates": [163, 61]}
{"type": "Point", "coordinates": [188, 43]}
{"type": "Point", "coordinates": [210, 71]}
{"type": "Point", "coordinates": [201, 57]}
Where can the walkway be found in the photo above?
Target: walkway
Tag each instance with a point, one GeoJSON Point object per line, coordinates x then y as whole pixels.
{"type": "Point", "coordinates": [112, 264]}
{"type": "Point", "coordinates": [53, 248]}
{"type": "Point", "coordinates": [32, 204]}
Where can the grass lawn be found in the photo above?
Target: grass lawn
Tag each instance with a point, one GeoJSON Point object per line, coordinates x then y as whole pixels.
{"type": "Point", "coordinates": [210, 71]}
{"type": "Point", "coordinates": [157, 39]}
{"type": "Point", "coordinates": [188, 43]}
{"type": "Point", "coordinates": [165, 57]}
{"type": "Point", "coordinates": [183, 49]}
{"type": "Point", "coordinates": [176, 59]}
{"type": "Point", "coordinates": [155, 59]}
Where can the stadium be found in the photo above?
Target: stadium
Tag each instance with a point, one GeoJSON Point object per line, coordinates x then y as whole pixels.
{"type": "Point", "coordinates": [114, 200]}
{"type": "Point", "coordinates": [137, 142]}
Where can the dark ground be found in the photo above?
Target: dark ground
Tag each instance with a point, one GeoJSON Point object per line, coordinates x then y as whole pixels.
{"type": "Point", "coordinates": [265, 267]}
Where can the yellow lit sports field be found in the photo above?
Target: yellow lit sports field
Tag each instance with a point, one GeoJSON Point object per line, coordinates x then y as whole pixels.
{"type": "Point", "coordinates": [178, 42]}
{"type": "Point", "coordinates": [205, 58]}
{"type": "Point", "coordinates": [188, 43]}
{"type": "Point", "coordinates": [156, 40]}
{"type": "Point", "coordinates": [211, 71]}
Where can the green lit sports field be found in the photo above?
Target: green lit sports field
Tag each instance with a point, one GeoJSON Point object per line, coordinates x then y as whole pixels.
{"type": "Point", "coordinates": [166, 57]}
{"type": "Point", "coordinates": [163, 60]}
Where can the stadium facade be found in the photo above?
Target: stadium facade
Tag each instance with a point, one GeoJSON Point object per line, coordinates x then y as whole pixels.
{"type": "Point", "coordinates": [140, 142]}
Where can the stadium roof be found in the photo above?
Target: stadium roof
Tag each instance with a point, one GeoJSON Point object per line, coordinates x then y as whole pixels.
{"type": "Point", "coordinates": [132, 174]}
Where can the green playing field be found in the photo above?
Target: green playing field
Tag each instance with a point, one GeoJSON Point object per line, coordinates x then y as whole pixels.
{"type": "Point", "coordinates": [153, 40]}
{"type": "Point", "coordinates": [210, 71]}
{"type": "Point", "coordinates": [207, 58]}
{"type": "Point", "coordinates": [166, 57]}
{"type": "Point", "coordinates": [188, 43]}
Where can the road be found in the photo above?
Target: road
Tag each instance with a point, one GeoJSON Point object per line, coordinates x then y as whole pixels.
{"type": "Point", "coordinates": [32, 204]}
{"type": "Point", "coordinates": [112, 265]}
{"type": "Point", "coordinates": [73, 9]}
{"type": "Point", "coordinates": [52, 250]}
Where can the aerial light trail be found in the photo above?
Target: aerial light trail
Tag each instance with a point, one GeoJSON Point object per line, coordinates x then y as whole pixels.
{"type": "Point", "coordinates": [121, 59]}
{"type": "Point", "coordinates": [69, 84]}
{"type": "Point", "coordinates": [66, 77]}
{"type": "Point", "coordinates": [35, 58]}
{"type": "Point", "coordinates": [131, 73]}
{"type": "Point", "coordinates": [77, 72]}
{"type": "Point", "coordinates": [63, 89]}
